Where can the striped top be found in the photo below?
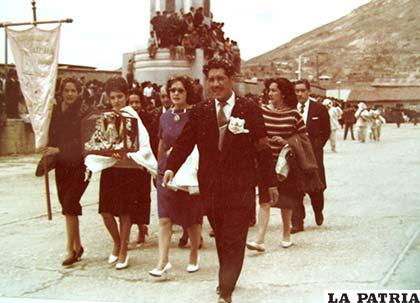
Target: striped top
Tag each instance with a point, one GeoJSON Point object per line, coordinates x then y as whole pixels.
{"type": "Point", "coordinates": [283, 123]}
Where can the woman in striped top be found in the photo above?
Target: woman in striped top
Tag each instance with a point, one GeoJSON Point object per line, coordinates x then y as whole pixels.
{"type": "Point", "coordinates": [282, 120]}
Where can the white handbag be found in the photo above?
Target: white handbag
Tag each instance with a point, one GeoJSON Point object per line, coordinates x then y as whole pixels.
{"type": "Point", "coordinates": [186, 177]}
{"type": "Point", "coordinates": [282, 168]}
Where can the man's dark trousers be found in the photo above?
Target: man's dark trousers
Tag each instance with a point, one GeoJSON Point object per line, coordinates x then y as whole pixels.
{"type": "Point", "coordinates": [317, 201]}
{"type": "Point", "coordinates": [346, 129]}
{"type": "Point", "coordinates": [231, 229]}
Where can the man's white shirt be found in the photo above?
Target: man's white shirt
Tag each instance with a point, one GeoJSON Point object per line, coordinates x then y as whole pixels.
{"type": "Point", "coordinates": [305, 109]}
{"type": "Point", "coordinates": [227, 109]}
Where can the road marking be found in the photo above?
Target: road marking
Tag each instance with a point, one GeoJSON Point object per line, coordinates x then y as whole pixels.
{"type": "Point", "coordinates": [397, 262]}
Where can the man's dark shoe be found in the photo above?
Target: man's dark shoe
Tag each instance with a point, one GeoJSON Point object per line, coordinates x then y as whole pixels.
{"type": "Point", "coordinates": [296, 229]}
{"type": "Point", "coordinates": [183, 240]}
{"type": "Point", "coordinates": [218, 290]}
{"type": "Point", "coordinates": [319, 218]}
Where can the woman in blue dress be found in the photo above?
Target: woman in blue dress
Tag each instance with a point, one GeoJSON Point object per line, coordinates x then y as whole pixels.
{"type": "Point", "coordinates": [176, 207]}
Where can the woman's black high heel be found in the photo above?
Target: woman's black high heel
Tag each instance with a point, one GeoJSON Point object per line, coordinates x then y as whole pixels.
{"type": "Point", "coordinates": [70, 260]}
{"type": "Point", "coordinates": [76, 256]}
{"type": "Point", "coordinates": [80, 253]}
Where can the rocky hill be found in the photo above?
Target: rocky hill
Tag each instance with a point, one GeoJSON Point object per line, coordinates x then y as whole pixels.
{"type": "Point", "coordinates": [379, 39]}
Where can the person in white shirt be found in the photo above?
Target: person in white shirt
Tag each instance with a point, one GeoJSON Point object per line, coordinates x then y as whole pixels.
{"type": "Point", "coordinates": [148, 93]}
{"type": "Point", "coordinates": [377, 121]}
{"type": "Point", "coordinates": [335, 113]}
{"type": "Point", "coordinates": [362, 115]}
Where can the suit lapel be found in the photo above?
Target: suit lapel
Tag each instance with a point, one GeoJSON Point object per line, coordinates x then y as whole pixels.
{"type": "Point", "coordinates": [310, 114]}
{"type": "Point", "coordinates": [210, 122]}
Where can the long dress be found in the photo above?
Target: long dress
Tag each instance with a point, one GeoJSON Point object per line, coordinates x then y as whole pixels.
{"type": "Point", "coordinates": [65, 133]}
{"type": "Point", "coordinates": [183, 209]}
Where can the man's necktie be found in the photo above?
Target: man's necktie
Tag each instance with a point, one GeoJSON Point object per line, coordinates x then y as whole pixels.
{"type": "Point", "coordinates": [221, 122]}
{"type": "Point", "coordinates": [301, 108]}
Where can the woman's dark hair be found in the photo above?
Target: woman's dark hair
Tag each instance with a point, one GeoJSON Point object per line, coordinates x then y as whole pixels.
{"type": "Point", "coordinates": [135, 92]}
{"type": "Point", "coordinates": [215, 63]}
{"type": "Point", "coordinates": [116, 84]}
{"type": "Point", "coordinates": [187, 83]}
{"type": "Point", "coordinates": [75, 108]}
{"type": "Point", "coordinates": [73, 80]}
{"type": "Point", "coordinates": [287, 89]}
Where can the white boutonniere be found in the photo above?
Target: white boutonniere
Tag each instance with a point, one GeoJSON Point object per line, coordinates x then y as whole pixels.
{"type": "Point", "coordinates": [236, 126]}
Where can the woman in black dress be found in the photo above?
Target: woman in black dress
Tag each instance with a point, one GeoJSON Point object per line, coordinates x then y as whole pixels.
{"type": "Point", "coordinates": [65, 144]}
{"type": "Point", "coordinates": [123, 192]}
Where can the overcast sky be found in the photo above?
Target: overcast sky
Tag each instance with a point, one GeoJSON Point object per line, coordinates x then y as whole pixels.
{"type": "Point", "coordinates": [104, 29]}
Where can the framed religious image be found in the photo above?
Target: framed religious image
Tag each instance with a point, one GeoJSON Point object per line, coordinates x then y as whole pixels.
{"type": "Point", "coordinates": [108, 132]}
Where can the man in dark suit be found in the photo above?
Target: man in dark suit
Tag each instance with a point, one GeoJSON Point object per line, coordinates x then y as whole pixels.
{"type": "Point", "coordinates": [317, 122]}
{"type": "Point", "coordinates": [349, 120]}
{"type": "Point", "coordinates": [227, 167]}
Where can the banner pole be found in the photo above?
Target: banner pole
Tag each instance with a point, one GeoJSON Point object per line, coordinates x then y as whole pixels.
{"type": "Point", "coordinates": [6, 59]}
{"type": "Point", "coordinates": [47, 189]}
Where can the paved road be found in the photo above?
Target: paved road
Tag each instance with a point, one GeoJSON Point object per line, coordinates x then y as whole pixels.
{"type": "Point", "coordinates": [370, 239]}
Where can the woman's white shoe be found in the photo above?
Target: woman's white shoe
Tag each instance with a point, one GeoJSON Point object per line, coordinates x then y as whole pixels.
{"type": "Point", "coordinates": [286, 244]}
{"type": "Point", "coordinates": [120, 265]}
{"type": "Point", "coordinates": [112, 259]}
{"type": "Point", "coordinates": [159, 272]}
{"type": "Point", "coordinates": [194, 267]}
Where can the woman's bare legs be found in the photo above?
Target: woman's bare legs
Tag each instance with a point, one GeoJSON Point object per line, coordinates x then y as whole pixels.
{"type": "Point", "coordinates": [263, 219]}
{"type": "Point", "coordinates": [73, 235]}
{"type": "Point", "coordinates": [125, 226]}
{"type": "Point", "coordinates": [194, 232]}
{"type": "Point", "coordinates": [112, 227]}
{"type": "Point", "coordinates": [286, 216]}
{"type": "Point", "coordinates": [165, 234]}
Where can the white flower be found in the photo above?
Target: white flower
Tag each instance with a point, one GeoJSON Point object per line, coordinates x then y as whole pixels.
{"type": "Point", "coordinates": [236, 126]}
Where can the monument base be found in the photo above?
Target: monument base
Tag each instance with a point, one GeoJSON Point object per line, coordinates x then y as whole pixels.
{"type": "Point", "coordinates": [162, 67]}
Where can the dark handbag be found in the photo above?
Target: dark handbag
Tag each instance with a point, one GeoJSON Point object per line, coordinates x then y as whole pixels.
{"type": "Point", "coordinates": [51, 161]}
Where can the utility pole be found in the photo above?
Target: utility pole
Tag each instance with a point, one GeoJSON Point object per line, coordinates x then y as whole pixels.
{"type": "Point", "coordinates": [339, 88]}
{"type": "Point", "coordinates": [300, 67]}
{"type": "Point", "coordinates": [317, 64]}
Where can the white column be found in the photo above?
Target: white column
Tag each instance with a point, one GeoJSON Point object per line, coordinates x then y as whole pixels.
{"type": "Point", "coordinates": [179, 4]}
{"type": "Point", "coordinates": [153, 8]}
{"type": "Point", "coordinates": [187, 5]}
{"type": "Point", "coordinates": [162, 5]}
{"type": "Point", "coordinates": [197, 3]}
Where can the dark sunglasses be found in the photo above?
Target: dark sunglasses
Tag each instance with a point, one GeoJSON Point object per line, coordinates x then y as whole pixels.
{"type": "Point", "coordinates": [179, 90]}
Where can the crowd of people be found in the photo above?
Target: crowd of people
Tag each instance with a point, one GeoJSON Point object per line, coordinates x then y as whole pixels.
{"type": "Point", "coordinates": [361, 121]}
{"type": "Point", "coordinates": [183, 33]}
{"type": "Point", "coordinates": [272, 145]}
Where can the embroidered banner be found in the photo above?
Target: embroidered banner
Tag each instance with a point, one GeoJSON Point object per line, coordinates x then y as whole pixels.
{"type": "Point", "coordinates": [36, 57]}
